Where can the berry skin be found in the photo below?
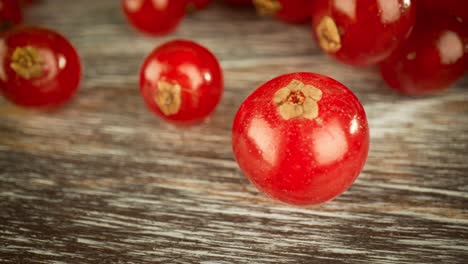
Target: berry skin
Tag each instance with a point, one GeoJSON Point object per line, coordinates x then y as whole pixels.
{"type": "Point", "coordinates": [10, 14]}
{"type": "Point", "coordinates": [154, 17]}
{"type": "Point", "coordinates": [199, 4]}
{"type": "Point", "coordinates": [432, 59]}
{"type": "Point", "coordinates": [181, 82]}
{"type": "Point", "coordinates": [301, 138]}
{"type": "Point", "coordinates": [362, 32]}
{"type": "Point", "coordinates": [39, 67]}
{"type": "Point", "coordinates": [291, 11]}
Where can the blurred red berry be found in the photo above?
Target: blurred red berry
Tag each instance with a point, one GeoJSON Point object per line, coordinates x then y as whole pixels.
{"type": "Point", "coordinates": [362, 32]}
{"type": "Point", "coordinates": [154, 17]}
{"type": "Point", "coordinates": [39, 67]}
{"type": "Point", "coordinates": [435, 56]}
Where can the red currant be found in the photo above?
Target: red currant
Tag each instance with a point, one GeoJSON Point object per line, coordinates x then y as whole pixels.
{"type": "Point", "coordinates": [199, 4]}
{"type": "Point", "coordinates": [39, 67]}
{"type": "Point", "coordinates": [292, 11]}
{"type": "Point", "coordinates": [10, 14]}
{"type": "Point", "coordinates": [181, 81]}
{"type": "Point", "coordinates": [154, 17]}
{"type": "Point", "coordinates": [432, 59]}
{"type": "Point", "coordinates": [361, 32]}
{"type": "Point", "coordinates": [301, 138]}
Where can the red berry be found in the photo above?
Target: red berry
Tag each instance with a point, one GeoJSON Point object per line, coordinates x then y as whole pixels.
{"type": "Point", "coordinates": [181, 81]}
{"type": "Point", "coordinates": [10, 14]}
{"type": "Point", "coordinates": [199, 4]}
{"type": "Point", "coordinates": [361, 32]}
{"type": "Point", "coordinates": [39, 67]}
{"type": "Point", "coordinates": [154, 17]}
{"type": "Point", "coordinates": [301, 138]}
{"type": "Point", "coordinates": [292, 11]}
{"type": "Point", "coordinates": [432, 59]}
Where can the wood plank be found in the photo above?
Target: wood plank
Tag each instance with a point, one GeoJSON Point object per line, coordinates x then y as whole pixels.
{"type": "Point", "coordinates": [103, 181]}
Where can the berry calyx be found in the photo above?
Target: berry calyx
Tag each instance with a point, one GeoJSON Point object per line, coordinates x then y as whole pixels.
{"type": "Point", "coordinates": [328, 35]}
{"type": "Point", "coordinates": [168, 97]}
{"type": "Point", "coordinates": [297, 100]}
{"type": "Point", "coordinates": [27, 62]}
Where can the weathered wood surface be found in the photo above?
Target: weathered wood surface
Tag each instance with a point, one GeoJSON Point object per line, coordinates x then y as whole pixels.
{"type": "Point", "coordinates": [103, 181]}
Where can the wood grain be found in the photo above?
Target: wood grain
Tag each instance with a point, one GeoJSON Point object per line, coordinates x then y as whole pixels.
{"type": "Point", "coordinates": [103, 181]}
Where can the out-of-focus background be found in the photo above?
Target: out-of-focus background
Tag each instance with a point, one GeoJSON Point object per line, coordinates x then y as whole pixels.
{"type": "Point", "coordinates": [102, 180]}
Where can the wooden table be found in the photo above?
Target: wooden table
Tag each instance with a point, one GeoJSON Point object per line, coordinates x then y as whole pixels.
{"type": "Point", "coordinates": [104, 181]}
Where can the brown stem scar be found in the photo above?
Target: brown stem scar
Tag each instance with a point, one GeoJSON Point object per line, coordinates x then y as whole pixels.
{"type": "Point", "coordinates": [328, 35]}
{"type": "Point", "coordinates": [168, 97]}
{"type": "Point", "coordinates": [297, 100]}
{"type": "Point", "coordinates": [27, 62]}
{"type": "Point", "coordinates": [267, 7]}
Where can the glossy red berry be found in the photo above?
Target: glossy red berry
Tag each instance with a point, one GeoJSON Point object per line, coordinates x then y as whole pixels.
{"type": "Point", "coordinates": [435, 56]}
{"type": "Point", "coordinates": [181, 82]}
{"type": "Point", "coordinates": [10, 14]}
{"type": "Point", "coordinates": [292, 11]}
{"type": "Point", "coordinates": [199, 4]}
{"type": "Point", "coordinates": [301, 138]}
{"type": "Point", "coordinates": [39, 67]}
{"type": "Point", "coordinates": [154, 17]}
{"type": "Point", "coordinates": [362, 32]}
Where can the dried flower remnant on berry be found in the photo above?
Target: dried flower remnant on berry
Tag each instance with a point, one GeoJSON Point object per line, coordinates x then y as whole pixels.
{"type": "Point", "coordinates": [328, 35]}
{"type": "Point", "coordinates": [298, 100]}
{"type": "Point", "coordinates": [168, 97]}
{"type": "Point", "coordinates": [267, 7]}
{"type": "Point", "coordinates": [27, 62]}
